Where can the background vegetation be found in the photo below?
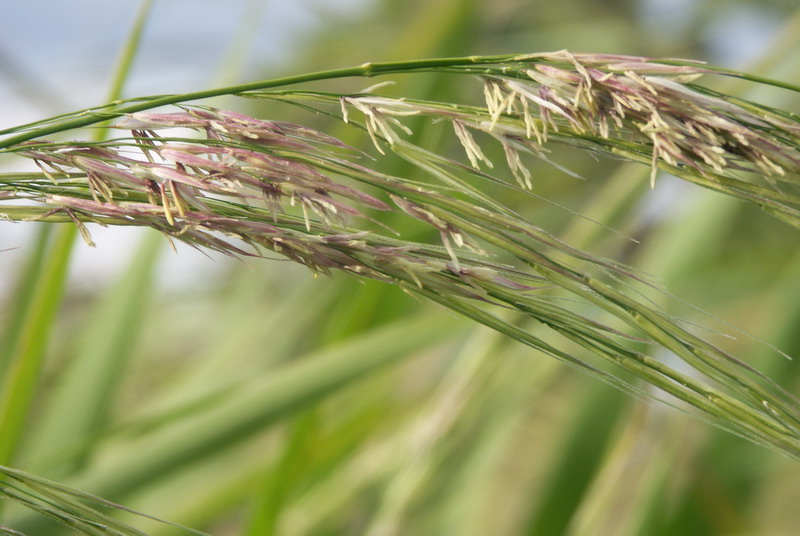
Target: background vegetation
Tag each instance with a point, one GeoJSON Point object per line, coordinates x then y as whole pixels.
{"type": "Point", "coordinates": [254, 399]}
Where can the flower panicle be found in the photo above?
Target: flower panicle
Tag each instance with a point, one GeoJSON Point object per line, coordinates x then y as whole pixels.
{"type": "Point", "coordinates": [210, 193]}
{"type": "Point", "coordinates": [645, 101]}
{"type": "Point", "coordinates": [610, 97]}
{"type": "Point", "coordinates": [246, 166]}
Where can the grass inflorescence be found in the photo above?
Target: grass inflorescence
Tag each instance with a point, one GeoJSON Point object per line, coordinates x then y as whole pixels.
{"type": "Point", "coordinates": [246, 186]}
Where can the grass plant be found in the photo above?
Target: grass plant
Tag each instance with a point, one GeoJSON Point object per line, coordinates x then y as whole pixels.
{"type": "Point", "coordinates": [403, 213]}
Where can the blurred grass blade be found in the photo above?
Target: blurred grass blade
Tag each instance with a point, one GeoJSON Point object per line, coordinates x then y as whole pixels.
{"type": "Point", "coordinates": [21, 299]}
{"type": "Point", "coordinates": [78, 409]}
{"type": "Point", "coordinates": [25, 358]}
{"type": "Point", "coordinates": [262, 402]}
{"type": "Point", "coordinates": [584, 440]}
{"type": "Point", "coordinates": [278, 484]}
{"type": "Point", "coordinates": [128, 53]}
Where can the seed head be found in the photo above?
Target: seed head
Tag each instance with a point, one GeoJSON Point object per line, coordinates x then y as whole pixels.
{"type": "Point", "coordinates": [235, 187]}
{"type": "Point", "coordinates": [637, 99]}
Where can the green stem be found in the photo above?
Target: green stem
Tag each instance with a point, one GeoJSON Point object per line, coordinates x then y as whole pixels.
{"type": "Point", "coordinates": [739, 74]}
{"type": "Point", "coordinates": [461, 64]}
{"type": "Point", "coordinates": [365, 70]}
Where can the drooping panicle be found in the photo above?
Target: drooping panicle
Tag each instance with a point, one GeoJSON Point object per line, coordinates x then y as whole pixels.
{"type": "Point", "coordinates": [633, 98]}
{"type": "Point", "coordinates": [235, 187]}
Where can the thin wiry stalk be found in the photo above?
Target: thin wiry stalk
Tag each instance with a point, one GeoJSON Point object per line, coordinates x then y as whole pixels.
{"type": "Point", "coordinates": [70, 507]}
{"type": "Point", "coordinates": [249, 185]}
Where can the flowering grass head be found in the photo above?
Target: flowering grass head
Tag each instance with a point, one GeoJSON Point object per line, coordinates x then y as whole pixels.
{"type": "Point", "coordinates": [636, 99]}
{"type": "Point", "coordinates": [242, 186]}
